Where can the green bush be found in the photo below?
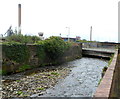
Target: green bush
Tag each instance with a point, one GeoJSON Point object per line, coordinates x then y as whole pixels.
{"type": "Point", "coordinates": [85, 41]}
{"type": "Point", "coordinates": [54, 47]}
{"type": "Point", "coordinates": [47, 51]}
{"type": "Point", "coordinates": [24, 39]}
{"type": "Point", "coordinates": [41, 53]}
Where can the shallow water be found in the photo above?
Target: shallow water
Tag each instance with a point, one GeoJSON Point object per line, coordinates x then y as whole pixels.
{"type": "Point", "coordinates": [82, 80]}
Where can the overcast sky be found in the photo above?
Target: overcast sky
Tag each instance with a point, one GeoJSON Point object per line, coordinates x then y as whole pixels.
{"type": "Point", "coordinates": [53, 16]}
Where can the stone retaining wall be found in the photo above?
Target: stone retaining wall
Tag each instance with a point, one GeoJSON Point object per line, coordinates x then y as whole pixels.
{"type": "Point", "coordinates": [10, 66]}
{"type": "Point", "coordinates": [110, 84]}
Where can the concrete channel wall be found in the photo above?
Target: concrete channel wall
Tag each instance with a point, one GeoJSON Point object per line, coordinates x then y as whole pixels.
{"type": "Point", "coordinates": [110, 84]}
{"type": "Point", "coordinates": [11, 66]}
{"type": "Point", "coordinates": [97, 53]}
{"type": "Point", "coordinates": [107, 45]}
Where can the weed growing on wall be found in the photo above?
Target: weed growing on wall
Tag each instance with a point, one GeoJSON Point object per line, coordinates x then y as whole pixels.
{"type": "Point", "coordinates": [111, 58]}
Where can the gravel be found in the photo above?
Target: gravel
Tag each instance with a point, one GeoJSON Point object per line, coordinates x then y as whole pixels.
{"type": "Point", "coordinates": [35, 82]}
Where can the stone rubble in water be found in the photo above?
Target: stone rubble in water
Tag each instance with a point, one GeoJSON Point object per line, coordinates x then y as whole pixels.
{"type": "Point", "coordinates": [33, 84]}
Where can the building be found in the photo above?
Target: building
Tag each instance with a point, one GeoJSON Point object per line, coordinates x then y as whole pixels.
{"type": "Point", "coordinates": [71, 39]}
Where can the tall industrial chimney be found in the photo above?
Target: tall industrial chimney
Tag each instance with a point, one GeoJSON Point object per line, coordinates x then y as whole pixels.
{"type": "Point", "coordinates": [91, 33]}
{"type": "Point", "coordinates": [19, 18]}
{"type": "Point", "coordinates": [119, 22]}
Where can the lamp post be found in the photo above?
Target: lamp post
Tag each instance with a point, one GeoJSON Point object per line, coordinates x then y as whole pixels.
{"type": "Point", "coordinates": [68, 32]}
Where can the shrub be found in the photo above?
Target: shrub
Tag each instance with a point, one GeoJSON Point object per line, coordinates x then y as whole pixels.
{"type": "Point", "coordinates": [41, 53]}
{"type": "Point", "coordinates": [85, 41]}
{"type": "Point", "coordinates": [54, 47]}
{"type": "Point", "coordinates": [24, 39]}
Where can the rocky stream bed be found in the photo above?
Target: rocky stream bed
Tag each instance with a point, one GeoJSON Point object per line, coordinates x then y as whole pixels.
{"type": "Point", "coordinates": [33, 81]}
{"type": "Point", "coordinates": [78, 78]}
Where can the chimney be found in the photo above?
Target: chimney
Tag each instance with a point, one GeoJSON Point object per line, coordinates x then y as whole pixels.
{"type": "Point", "coordinates": [119, 22]}
{"type": "Point", "coordinates": [91, 33]}
{"type": "Point", "coordinates": [19, 18]}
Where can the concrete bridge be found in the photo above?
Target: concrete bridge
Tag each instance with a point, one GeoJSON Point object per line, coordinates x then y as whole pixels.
{"type": "Point", "coordinates": [98, 52]}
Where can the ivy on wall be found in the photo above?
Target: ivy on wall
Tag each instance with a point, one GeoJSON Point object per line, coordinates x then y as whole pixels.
{"type": "Point", "coordinates": [46, 51]}
{"type": "Point", "coordinates": [16, 52]}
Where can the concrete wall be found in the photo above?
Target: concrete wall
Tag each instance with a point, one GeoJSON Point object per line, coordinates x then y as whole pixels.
{"type": "Point", "coordinates": [110, 84]}
{"type": "Point", "coordinates": [99, 45]}
{"type": "Point", "coordinates": [11, 66]}
{"type": "Point", "coordinates": [115, 88]}
{"type": "Point", "coordinates": [90, 44]}
{"type": "Point", "coordinates": [97, 53]}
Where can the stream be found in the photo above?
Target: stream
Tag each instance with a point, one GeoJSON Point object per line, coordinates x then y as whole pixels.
{"type": "Point", "coordinates": [81, 82]}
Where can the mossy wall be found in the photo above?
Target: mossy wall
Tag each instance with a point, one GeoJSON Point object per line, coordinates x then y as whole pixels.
{"type": "Point", "coordinates": [17, 58]}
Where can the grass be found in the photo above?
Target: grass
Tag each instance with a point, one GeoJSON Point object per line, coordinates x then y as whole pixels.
{"type": "Point", "coordinates": [24, 67]}
{"type": "Point", "coordinates": [19, 92]}
{"type": "Point", "coordinates": [111, 58]}
{"type": "Point", "coordinates": [41, 88]}
{"type": "Point", "coordinates": [17, 80]}
{"type": "Point", "coordinates": [99, 81]}
{"type": "Point", "coordinates": [55, 73]}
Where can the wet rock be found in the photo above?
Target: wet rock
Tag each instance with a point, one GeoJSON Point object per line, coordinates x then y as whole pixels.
{"type": "Point", "coordinates": [78, 83]}
{"type": "Point", "coordinates": [28, 84]}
